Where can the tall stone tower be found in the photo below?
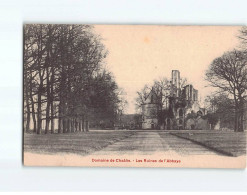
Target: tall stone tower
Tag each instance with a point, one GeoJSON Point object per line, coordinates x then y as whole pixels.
{"type": "Point", "coordinates": [176, 82]}
{"type": "Point", "coordinates": [150, 110]}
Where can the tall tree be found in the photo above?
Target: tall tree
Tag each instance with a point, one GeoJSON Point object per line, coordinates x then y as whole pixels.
{"type": "Point", "coordinates": [220, 108]}
{"type": "Point", "coordinates": [63, 74]}
{"type": "Point", "coordinates": [228, 73]}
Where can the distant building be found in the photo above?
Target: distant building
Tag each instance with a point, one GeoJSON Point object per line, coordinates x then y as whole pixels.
{"type": "Point", "coordinates": [150, 111]}
{"type": "Point", "coordinates": [180, 104]}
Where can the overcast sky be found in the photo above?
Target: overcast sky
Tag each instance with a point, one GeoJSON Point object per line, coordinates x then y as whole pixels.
{"type": "Point", "coordinates": [139, 54]}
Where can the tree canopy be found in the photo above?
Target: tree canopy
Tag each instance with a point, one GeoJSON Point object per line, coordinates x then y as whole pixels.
{"type": "Point", "coordinates": [65, 78]}
{"type": "Point", "coordinates": [228, 73]}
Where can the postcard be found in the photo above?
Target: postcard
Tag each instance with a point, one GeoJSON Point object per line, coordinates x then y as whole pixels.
{"type": "Point", "coordinates": [134, 95]}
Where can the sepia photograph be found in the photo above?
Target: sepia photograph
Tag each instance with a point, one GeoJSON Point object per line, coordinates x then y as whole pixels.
{"type": "Point", "coordinates": [134, 95]}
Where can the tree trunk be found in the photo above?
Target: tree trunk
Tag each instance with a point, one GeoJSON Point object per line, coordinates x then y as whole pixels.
{"type": "Point", "coordinates": [60, 117]}
{"type": "Point", "coordinates": [69, 125]}
{"type": "Point", "coordinates": [64, 125]}
{"type": "Point", "coordinates": [33, 110]}
{"type": "Point", "coordinates": [47, 62]}
{"type": "Point", "coordinates": [52, 100]}
{"type": "Point", "coordinates": [39, 115]}
{"type": "Point", "coordinates": [72, 125]}
{"type": "Point", "coordinates": [28, 119]}
{"type": "Point", "coordinates": [52, 118]}
{"type": "Point", "coordinates": [80, 125]}
{"type": "Point", "coordinates": [27, 106]}
{"type": "Point", "coordinates": [47, 116]}
{"type": "Point", "coordinates": [76, 125]}
{"type": "Point", "coordinates": [83, 123]}
{"type": "Point", "coordinates": [39, 111]}
{"type": "Point", "coordinates": [41, 79]}
{"type": "Point", "coordinates": [87, 125]}
{"type": "Point", "coordinates": [236, 112]}
{"type": "Point", "coordinates": [241, 115]}
{"type": "Point", "coordinates": [236, 120]}
{"type": "Point", "coordinates": [34, 119]}
{"type": "Point", "coordinates": [47, 121]}
{"type": "Point", "coordinates": [60, 124]}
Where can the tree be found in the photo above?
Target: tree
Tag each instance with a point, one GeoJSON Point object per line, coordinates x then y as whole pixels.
{"type": "Point", "coordinates": [142, 96]}
{"type": "Point", "coordinates": [220, 107]}
{"type": "Point", "coordinates": [64, 78]}
{"type": "Point", "coordinates": [228, 73]}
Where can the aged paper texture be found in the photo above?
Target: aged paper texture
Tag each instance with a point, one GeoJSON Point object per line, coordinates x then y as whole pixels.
{"type": "Point", "coordinates": [134, 96]}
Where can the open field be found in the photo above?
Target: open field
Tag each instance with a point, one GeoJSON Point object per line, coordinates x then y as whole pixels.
{"type": "Point", "coordinates": [80, 143]}
{"type": "Point", "coordinates": [229, 143]}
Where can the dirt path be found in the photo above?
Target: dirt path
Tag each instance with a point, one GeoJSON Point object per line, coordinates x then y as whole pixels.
{"type": "Point", "coordinates": [145, 143]}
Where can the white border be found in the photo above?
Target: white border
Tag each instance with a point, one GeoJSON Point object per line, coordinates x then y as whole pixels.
{"type": "Point", "coordinates": [13, 13]}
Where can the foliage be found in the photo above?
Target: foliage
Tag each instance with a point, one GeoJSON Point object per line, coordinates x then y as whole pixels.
{"type": "Point", "coordinates": [212, 118]}
{"type": "Point", "coordinates": [220, 107]}
{"type": "Point", "coordinates": [228, 73]}
{"type": "Point", "coordinates": [64, 78]}
{"type": "Point", "coordinates": [191, 115]}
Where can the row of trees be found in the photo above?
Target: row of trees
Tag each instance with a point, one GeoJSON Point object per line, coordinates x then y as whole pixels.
{"type": "Point", "coordinates": [65, 83]}
{"type": "Point", "coordinates": [228, 73]}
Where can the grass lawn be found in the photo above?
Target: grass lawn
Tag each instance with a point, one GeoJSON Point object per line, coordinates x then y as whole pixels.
{"type": "Point", "coordinates": [233, 143]}
{"type": "Point", "coordinates": [80, 142]}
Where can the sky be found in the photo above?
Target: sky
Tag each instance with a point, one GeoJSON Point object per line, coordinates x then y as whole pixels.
{"type": "Point", "coordinates": [139, 54]}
